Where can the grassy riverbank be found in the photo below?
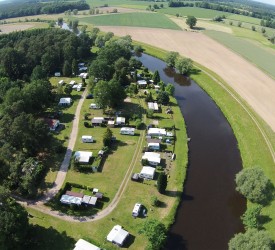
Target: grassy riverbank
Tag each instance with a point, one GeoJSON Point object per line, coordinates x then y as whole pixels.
{"type": "Point", "coordinates": [250, 136]}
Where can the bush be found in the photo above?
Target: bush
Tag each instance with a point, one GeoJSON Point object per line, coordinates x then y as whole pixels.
{"type": "Point", "coordinates": [144, 162]}
{"type": "Point", "coordinates": [251, 217]}
{"type": "Point", "coordinates": [138, 124]}
{"type": "Point", "coordinates": [86, 124]}
{"type": "Point", "coordinates": [154, 201]}
{"type": "Point", "coordinates": [162, 183]}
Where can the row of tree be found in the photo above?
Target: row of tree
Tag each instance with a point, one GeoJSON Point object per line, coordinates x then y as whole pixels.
{"type": "Point", "coordinates": [258, 189]}
{"type": "Point", "coordinates": [35, 8]}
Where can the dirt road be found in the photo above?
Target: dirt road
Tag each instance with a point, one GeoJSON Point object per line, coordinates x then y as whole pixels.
{"type": "Point", "coordinates": [253, 85]}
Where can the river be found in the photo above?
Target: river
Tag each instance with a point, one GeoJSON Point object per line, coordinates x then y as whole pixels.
{"type": "Point", "coordinates": [210, 209]}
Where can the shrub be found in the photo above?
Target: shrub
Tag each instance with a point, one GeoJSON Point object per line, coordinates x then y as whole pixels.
{"type": "Point", "coordinates": [154, 201]}
{"type": "Point", "coordinates": [86, 124]}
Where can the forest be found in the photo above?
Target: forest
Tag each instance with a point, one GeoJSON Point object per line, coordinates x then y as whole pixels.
{"type": "Point", "coordinates": [20, 9]}
{"type": "Point", "coordinates": [27, 59]}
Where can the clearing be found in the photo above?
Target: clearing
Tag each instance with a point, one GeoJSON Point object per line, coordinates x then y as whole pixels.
{"type": "Point", "coordinates": [253, 85]}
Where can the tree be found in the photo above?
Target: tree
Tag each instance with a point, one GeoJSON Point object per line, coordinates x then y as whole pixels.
{"type": "Point", "coordinates": [14, 224]}
{"type": "Point", "coordinates": [162, 183]}
{"type": "Point", "coordinates": [68, 89]}
{"type": "Point", "coordinates": [169, 88]}
{"type": "Point", "coordinates": [254, 185]}
{"type": "Point", "coordinates": [100, 68]}
{"type": "Point", "coordinates": [155, 231]}
{"type": "Point", "coordinates": [239, 24]}
{"type": "Point", "coordinates": [156, 77]}
{"type": "Point", "coordinates": [117, 93]}
{"type": "Point", "coordinates": [252, 239]}
{"type": "Point", "coordinates": [191, 21]}
{"type": "Point", "coordinates": [99, 41]}
{"type": "Point", "coordinates": [121, 63]}
{"type": "Point", "coordinates": [138, 49]}
{"type": "Point", "coordinates": [108, 36]}
{"type": "Point", "coordinates": [67, 69]}
{"type": "Point", "coordinates": [102, 94]}
{"type": "Point", "coordinates": [75, 11]}
{"type": "Point", "coordinates": [60, 21]}
{"type": "Point", "coordinates": [253, 28]}
{"type": "Point", "coordinates": [74, 67]}
{"type": "Point", "coordinates": [184, 65]}
{"type": "Point", "coordinates": [171, 58]}
{"type": "Point", "coordinates": [107, 137]}
{"type": "Point", "coordinates": [251, 217]}
{"type": "Point", "coordinates": [163, 97]}
{"type": "Point", "coordinates": [38, 73]}
{"type": "Point", "coordinates": [149, 97]}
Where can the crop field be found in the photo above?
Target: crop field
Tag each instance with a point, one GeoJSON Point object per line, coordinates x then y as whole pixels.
{"type": "Point", "coordinates": [155, 20]}
{"type": "Point", "coordinates": [192, 11]}
{"type": "Point", "coordinates": [246, 19]}
{"type": "Point", "coordinates": [258, 56]}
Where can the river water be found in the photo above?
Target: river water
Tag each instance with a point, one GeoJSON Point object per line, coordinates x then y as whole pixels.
{"type": "Point", "coordinates": [210, 210]}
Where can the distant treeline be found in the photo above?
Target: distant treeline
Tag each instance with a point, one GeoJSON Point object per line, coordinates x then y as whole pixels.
{"type": "Point", "coordinates": [36, 8]}
{"type": "Point", "coordinates": [253, 11]}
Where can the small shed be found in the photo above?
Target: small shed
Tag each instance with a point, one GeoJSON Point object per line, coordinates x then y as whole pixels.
{"type": "Point", "coordinates": [83, 157]}
{"type": "Point", "coordinates": [120, 120]}
{"type": "Point", "coordinates": [127, 131]}
{"type": "Point", "coordinates": [147, 172]}
{"type": "Point", "coordinates": [87, 138]}
{"type": "Point", "coordinates": [65, 101]}
{"type": "Point", "coordinates": [99, 195]}
{"type": "Point", "coordinates": [85, 245]}
{"type": "Point", "coordinates": [117, 235]}
{"type": "Point", "coordinates": [97, 121]}
{"type": "Point", "coordinates": [111, 123]}
{"type": "Point", "coordinates": [52, 123]}
{"type": "Point", "coordinates": [57, 74]}
{"type": "Point", "coordinates": [94, 106]}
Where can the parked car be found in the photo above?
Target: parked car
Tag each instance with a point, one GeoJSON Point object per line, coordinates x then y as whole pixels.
{"type": "Point", "coordinates": [90, 96]}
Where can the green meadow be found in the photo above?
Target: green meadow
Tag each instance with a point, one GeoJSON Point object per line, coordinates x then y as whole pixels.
{"type": "Point", "coordinates": [263, 58]}
{"type": "Point", "coordinates": [192, 11]}
{"type": "Point", "coordinates": [246, 19]}
{"type": "Point", "coordinates": [151, 20]}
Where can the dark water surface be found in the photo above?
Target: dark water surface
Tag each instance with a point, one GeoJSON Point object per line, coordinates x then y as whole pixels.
{"type": "Point", "coordinates": [209, 214]}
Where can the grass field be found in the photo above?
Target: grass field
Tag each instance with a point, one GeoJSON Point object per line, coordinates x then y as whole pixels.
{"type": "Point", "coordinates": [255, 54]}
{"type": "Point", "coordinates": [133, 4]}
{"type": "Point", "coordinates": [246, 19]}
{"type": "Point", "coordinates": [154, 20]}
{"type": "Point", "coordinates": [192, 11]}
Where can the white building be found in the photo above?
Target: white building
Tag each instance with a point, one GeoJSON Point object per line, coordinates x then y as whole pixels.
{"type": "Point", "coordinates": [87, 138]}
{"type": "Point", "coordinates": [127, 131]}
{"type": "Point", "coordinates": [65, 101]}
{"type": "Point", "coordinates": [72, 83]}
{"type": "Point", "coordinates": [68, 199]}
{"type": "Point", "coordinates": [156, 132]}
{"type": "Point", "coordinates": [83, 157]}
{"type": "Point", "coordinates": [153, 106]}
{"type": "Point", "coordinates": [142, 83]}
{"type": "Point", "coordinates": [61, 82]}
{"type": "Point", "coordinates": [147, 173]}
{"type": "Point", "coordinates": [153, 158]}
{"type": "Point", "coordinates": [85, 245]}
{"type": "Point", "coordinates": [117, 235]}
{"type": "Point", "coordinates": [94, 106]}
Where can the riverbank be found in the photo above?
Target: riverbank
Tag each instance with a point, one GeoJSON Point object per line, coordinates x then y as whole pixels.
{"type": "Point", "coordinates": [256, 141]}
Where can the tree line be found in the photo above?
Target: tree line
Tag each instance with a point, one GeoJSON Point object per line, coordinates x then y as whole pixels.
{"type": "Point", "coordinates": [36, 8]}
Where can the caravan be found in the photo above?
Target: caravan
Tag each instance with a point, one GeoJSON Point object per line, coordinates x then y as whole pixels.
{"type": "Point", "coordinates": [136, 210]}
{"type": "Point", "coordinates": [87, 138]}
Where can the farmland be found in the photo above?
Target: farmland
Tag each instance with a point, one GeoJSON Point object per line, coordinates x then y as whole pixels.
{"type": "Point", "coordinates": [133, 19]}
{"type": "Point", "coordinates": [264, 59]}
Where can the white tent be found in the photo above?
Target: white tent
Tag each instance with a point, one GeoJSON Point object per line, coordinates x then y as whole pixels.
{"type": "Point", "coordinates": [117, 235]}
{"type": "Point", "coordinates": [85, 245]}
{"type": "Point", "coordinates": [82, 156]}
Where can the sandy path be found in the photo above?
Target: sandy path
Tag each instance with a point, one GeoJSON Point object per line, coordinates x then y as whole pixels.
{"type": "Point", "coordinates": [253, 85]}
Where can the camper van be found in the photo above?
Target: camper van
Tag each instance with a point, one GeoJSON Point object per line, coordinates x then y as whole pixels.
{"type": "Point", "coordinates": [136, 210]}
{"type": "Point", "coordinates": [87, 138]}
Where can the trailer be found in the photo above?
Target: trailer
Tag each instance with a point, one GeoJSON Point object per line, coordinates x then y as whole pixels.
{"type": "Point", "coordinates": [127, 131]}
{"type": "Point", "coordinates": [87, 138]}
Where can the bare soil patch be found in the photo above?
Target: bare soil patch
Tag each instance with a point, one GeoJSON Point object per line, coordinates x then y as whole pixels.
{"type": "Point", "coordinates": [7, 28]}
{"type": "Point", "coordinates": [253, 85]}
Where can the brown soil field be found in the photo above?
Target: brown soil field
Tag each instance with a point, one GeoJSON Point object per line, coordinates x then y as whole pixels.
{"type": "Point", "coordinates": [253, 85]}
{"type": "Point", "coordinates": [7, 28]}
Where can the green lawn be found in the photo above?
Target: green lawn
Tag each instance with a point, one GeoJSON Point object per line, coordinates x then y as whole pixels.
{"type": "Point", "coordinates": [245, 19]}
{"type": "Point", "coordinates": [152, 20]}
{"type": "Point", "coordinates": [257, 55]}
{"type": "Point", "coordinates": [192, 11]}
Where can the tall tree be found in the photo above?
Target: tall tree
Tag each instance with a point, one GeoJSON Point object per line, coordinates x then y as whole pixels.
{"type": "Point", "coordinates": [254, 185]}
{"type": "Point", "coordinates": [67, 69]}
{"type": "Point", "coordinates": [251, 217]}
{"type": "Point", "coordinates": [252, 239]}
{"type": "Point", "coordinates": [163, 97]}
{"type": "Point", "coordinates": [156, 77]}
{"type": "Point", "coordinates": [191, 21]}
{"type": "Point", "coordinates": [171, 58]}
{"type": "Point", "coordinates": [162, 183]}
{"type": "Point", "coordinates": [184, 65]}
{"type": "Point", "coordinates": [155, 231]}
{"type": "Point", "coordinates": [107, 137]}
{"type": "Point", "coordinates": [14, 224]}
